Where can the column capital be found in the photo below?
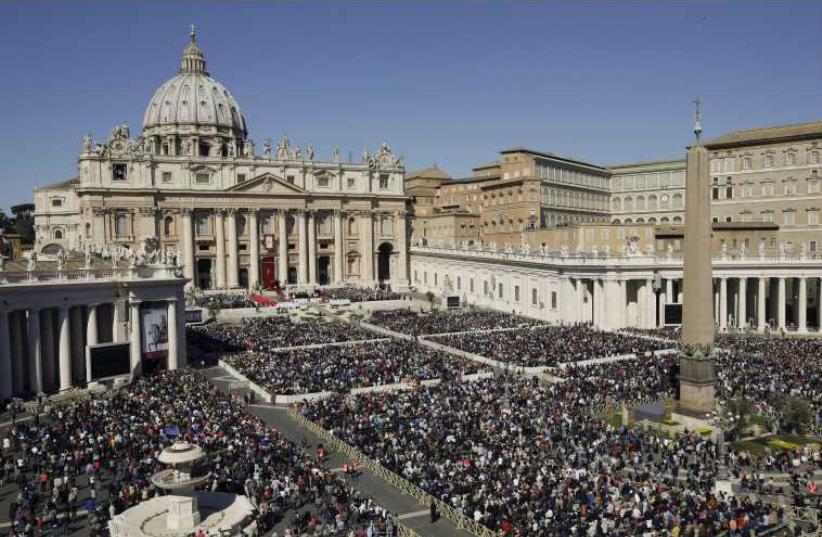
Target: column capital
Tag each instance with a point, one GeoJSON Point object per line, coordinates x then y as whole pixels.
{"type": "Point", "coordinates": [170, 300]}
{"type": "Point", "coordinates": [230, 211]}
{"type": "Point", "coordinates": [252, 211]}
{"type": "Point", "coordinates": [186, 211]}
{"type": "Point", "coordinates": [219, 211]}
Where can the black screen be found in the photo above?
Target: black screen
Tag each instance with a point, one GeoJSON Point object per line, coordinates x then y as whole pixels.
{"type": "Point", "coordinates": [110, 360]}
{"type": "Point", "coordinates": [453, 301]}
{"type": "Point", "coordinates": [673, 314]}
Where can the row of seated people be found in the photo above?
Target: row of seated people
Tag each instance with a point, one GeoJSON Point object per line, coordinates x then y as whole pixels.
{"type": "Point", "coordinates": [440, 322]}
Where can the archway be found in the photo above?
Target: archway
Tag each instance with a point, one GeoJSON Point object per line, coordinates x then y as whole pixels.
{"type": "Point", "coordinates": [384, 261]}
{"type": "Point", "coordinates": [52, 249]}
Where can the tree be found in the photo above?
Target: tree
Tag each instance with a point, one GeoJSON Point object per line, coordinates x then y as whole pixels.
{"type": "Point", "coordinates": [23, 223]}
{"type": "Point", "coordinates": [797, 414]}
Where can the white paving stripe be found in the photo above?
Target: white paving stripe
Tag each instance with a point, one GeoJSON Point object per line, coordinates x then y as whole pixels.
{"type": "Point", "coordinates": [413, 514]}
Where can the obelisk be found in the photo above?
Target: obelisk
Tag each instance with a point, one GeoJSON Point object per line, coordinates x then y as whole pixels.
{"type": "Point", "coordinates": [697, 367]}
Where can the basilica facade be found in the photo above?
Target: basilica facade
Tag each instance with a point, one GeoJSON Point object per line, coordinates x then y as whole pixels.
{"type": "Point", "coordinates": [193, 183]}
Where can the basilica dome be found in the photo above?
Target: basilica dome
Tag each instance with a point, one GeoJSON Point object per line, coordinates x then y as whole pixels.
{"type": "Point", "coordinates": [193, 103]}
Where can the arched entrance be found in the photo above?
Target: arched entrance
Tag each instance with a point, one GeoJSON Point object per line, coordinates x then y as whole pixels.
{"type": "Point", "coordinates": [204, 273]}
{"type": "Point", "coordinates": [384, 261]}
{"type": "Point", "coordinates": [52, 249]}
{"type": "Point", "coordinates": [323, 262]}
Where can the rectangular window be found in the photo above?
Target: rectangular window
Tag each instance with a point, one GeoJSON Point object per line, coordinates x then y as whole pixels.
{"type": "Point", "coordinates": [516, 293]}
{"type": "Point", "coordinates": [425, 277]}
{"type": "Point", "coordinates": [202, 178]}
{"type": "Point", "coordinates": [533, 297]}
{"type": "Point", "coordinates": [500, 291]}
{"type": "Point", "coordinates": [471, 285]}
{"type": "Point", "coordinates": [789, 218]}
{"type": "Point", "coordinates": [416, 276]}
{"type": "Point", "coordinates": [813, 218]}
{"type": "Point", "coordinates": [383, 180]}
{"type": "Point", "coordinates": [322, 181]}
{"type": "Point", "coordinates": [812, 246]}
{"type": "Point", "coordinates": [290, 179]}
{"type": "Point", "coordinates": [240, 178]}
{"type": "Point", "coordinates": [485, 287]}
{"type": "Point", "coordinates": [435, 279]}
{"type": "Point", "coordinates": [459, 283]}
{"type": "Point", "coordinates": [56, 202]}
{"type": "Point", "coordinates": [790, 159]}
{"type": "Point", "coordinates": [746, 163]}
{"type": "Point", "coordinates": [119, 172]}
{"type": "Point", "coordinates": [166, 177]}
{"type": "Point", "coordinates": [769, 161]}
{"type": "Point", "coordinates": [813, 186]}
{"type": "Point", "coordinates": [553, 300]}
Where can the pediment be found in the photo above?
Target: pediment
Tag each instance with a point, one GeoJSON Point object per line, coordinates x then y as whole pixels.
{"type": "Point", "coordinates": [267, 183]}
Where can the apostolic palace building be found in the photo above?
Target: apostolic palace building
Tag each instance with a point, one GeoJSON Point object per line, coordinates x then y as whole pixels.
{"type": "Point", "coordinates": [240, 215]}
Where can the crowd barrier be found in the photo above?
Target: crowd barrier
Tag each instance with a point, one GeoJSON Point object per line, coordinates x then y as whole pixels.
{"type": "Point", "coordinates": [405, 486]}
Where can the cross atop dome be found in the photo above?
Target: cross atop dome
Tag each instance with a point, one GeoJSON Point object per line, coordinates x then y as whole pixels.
{"type": "Point", "coordinates": [193, 57]}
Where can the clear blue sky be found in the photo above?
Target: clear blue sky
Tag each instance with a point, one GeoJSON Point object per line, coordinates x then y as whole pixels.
{"type": "Point", "coordinates": [445, 83]}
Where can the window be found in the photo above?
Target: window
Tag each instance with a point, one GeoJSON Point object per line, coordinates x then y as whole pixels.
{"type": "Point", "coordinates": [516, 293]}
{"type": "Point", "coordinates": [88, 229]}
{"type": "Point", "coordinates": [201, 224]}
{"type": "Point", "coordinates": [533, 297]}
{"type": "Point", "coordinates": [56, 202]}
{"type": "Point", "coordinates": [322, 181]}
{"type": "Point", "coordinates": [813, 186]}
{"type": "Point", "coordinates": [767, 189]}
{"type": "Point", "coordinates": [500, 291]}
{"type": "Point", "coordinates": [351, 182]}
{"type": "Point", "coordinates": [813, 157]}
{"type": "Point", "coordinates": [166, 177]}
{"type": "Point", "coordinates": [425, 277]}
{"type": "Point", "coordinates": [416, 276]}
{"type": "Point", "coordinates": [119, 172]}
{"type": "Point", "coordinates": [459, 283]}
{"type": "Point", "coordinates": [168, 226]}
{"type": "Point", "coordinates": [58, 233]}
{"type": "Point", "coordinates": [729, 189]}
{"type": "Point", "coordinates": [813, 217]}
{"type": "Point", "coordinates": [812, 246]}
{"type": "Point", "coordinates": [790, 159]}
{"type": "Point", "coordinates": [767, 216]}
{"type": "Point", "coordinates": [485, 287]}
{"type": "Point", "coordinates": [240, 178]}
{"type": "Point", "coordinates": [715, 189]}
{"type": "Point", "coordinates": [435, 279]}
{"type": "Point", "coordinates": [383, 180]}
{"type": "Point", "coordinates": [121, 225]}
{"type": "Point", "coordinates": [352, 226]}
{"type": "Point", "coordinates": [290, 179]}
{"type": "Point", "coordinates": [471, 285]}
{"type": "Point", "coordinates": [746, 163]}
{"type": "Point", "coordinates": [769, 161]}
{"type": "Point", "coordinates": [202, 178]}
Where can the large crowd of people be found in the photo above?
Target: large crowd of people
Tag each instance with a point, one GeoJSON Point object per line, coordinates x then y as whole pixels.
{"type": "Point", "coordinates": [269, 333]}
{"type": "Point", "coordinates": [549, 345]}
{"type": "Point", "coordinates": [341, 368]}
{"type": "Point", "coordinates": [359, 294]}
{"type": "Point", "coordinates": [440, 322]}
{"type": "Point", "coordinates": [223, 301]}
{"type": "Point", "coordinates": [530, 460]}
{"type": "Point", "coordinates": [99, 455]}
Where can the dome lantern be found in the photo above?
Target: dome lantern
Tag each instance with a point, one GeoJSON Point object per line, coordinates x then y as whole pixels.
{"type": "Point", "coordinates": [193, 57]}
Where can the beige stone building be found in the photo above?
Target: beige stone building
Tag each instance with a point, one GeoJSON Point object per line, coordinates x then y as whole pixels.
{"type": "Point", "coordinates": [652, 192]}
{"type": "Point", "coordinates": [771, 175]}
{"type": "Point", "coordinates": [193, 183]}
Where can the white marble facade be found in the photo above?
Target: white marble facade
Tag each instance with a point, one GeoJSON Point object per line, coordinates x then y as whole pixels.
{"type": "Point", "coordinates": [240, 215]}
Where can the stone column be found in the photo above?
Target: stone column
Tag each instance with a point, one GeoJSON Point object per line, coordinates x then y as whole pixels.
{"type": "Point", "coordinates": [302, 248]}
{"type": "Point", "coordinates": [254, 250]}
{"type": "Point", "coordinates": [172, 335]}
{"type": "Point", "coordinates": [367, 234]}
{"type": "Point", "coordinates": [401, 236]}
{"type": "Point", "coordinates": [581, 316]}
{"type": "Point", "coordinates": [780, 304]}
{"type": "Point", "coordinates": [18, 324]}
{"type": "Point", "coordinates": [802, 324]}
{"type": "Point", "coordinates": [233, 273]}
{"type": "Point", "coordinates": [115, 323]}
{"type": "Point", "coordinates": [663, 300]}
{"type": "Point", "coordinates": [35, 352]}
{"type": "Point", "coordinates": [91, 337]}
{"type": "Point", "coordinates": [650, 305]}
{"type": "Point", "coordinates": [622, 297]}
{"type": "Point", "coordinates": [6, 374]}
{"type": "Point", "coordinates": [339, 255]}
{"type": "Point", "coordinates": [717, 314]}
{"type": "Point", "coordinates": [219, 237]}
{"type": "Point", "coordinates": [282, 244]}
{"type": "Point", "coordinates": [723, 303]}
{"type": "Point", "coordinates": [742, 307]}
{"type": "Point", "coordinates": [135, 351]}
{"type": "Point", "coordinates": [77, 323]}
{"type": "Point", "coordinates": [669, 291]}
{"type": "Point", "coordinates": [761, 314]}
{"type": "Point", "coordinates": [188, 247]}
{"type": "Point", "coordinates": [312, 248]}
{"type": "Point", "coordinates": [47, 348]}
{"type": "Point", "coordinates": [64, 349]}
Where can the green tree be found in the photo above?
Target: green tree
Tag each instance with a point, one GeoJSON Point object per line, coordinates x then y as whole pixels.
{"type": "Point", "coordinates": [23, 223]}
{"type": "Point", "coordinates": [797, 414]}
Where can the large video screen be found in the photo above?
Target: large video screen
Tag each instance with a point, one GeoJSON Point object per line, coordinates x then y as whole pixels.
{"type": "Point", "coordinates": [109, 360]}
{"type": "Point", "coordinates": [673, 314]}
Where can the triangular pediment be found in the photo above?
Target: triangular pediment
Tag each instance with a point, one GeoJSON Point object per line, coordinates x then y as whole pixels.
{"type": "Point", "coordinates": [267, 183]}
